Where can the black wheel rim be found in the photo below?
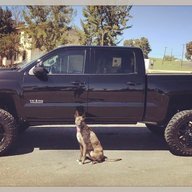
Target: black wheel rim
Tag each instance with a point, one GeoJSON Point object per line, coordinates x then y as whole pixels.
{"type": "Point", "coordinates": [185, 135]}
{"type": "Point", "coordinates": [2, 133]}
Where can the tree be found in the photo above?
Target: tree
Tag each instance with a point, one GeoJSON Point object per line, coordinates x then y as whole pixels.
{"type": "Point", "coordinates": [9, 46]}
{"type": "Point", "coordinates": [142, 43]}
{"type": "Point", "coordinates": [17, 14]}
{"type": "Point", "coordinates": [75, 36]}
{"type": "Point", "coordinates": [103, 24]}
{"type": "Point", "coordinates": [6, 22]}
{"type": "Point", "coordinates": [47, 25]}
{"type": "Point", "coordinates": [9, 39]}
{"type": "Point", "coordinates": [188, 54]}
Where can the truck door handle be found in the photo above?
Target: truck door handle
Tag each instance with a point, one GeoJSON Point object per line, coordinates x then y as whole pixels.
{"type": "Point", "coordinates": [75, 83]}
{"type": "Point", "coordinates": [130, 83]}
{"type": "Point", "coordinates": [78, 83]}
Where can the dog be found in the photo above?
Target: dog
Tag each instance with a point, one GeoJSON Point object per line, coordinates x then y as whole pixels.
{"type": "Point", "coordinates": [90, 146]}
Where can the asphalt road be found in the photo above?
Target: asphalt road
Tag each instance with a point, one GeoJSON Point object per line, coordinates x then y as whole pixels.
{"type": "Point", "coordinates": [46, 156]}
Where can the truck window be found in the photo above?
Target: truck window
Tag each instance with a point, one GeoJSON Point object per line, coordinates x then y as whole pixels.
{"type": "Point", "coordinates": [66, 62]}
{"type": "Point", "coordinates": [114, 61]}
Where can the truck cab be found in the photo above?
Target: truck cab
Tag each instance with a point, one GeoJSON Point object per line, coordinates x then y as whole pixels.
{"type": "Point", "coordinates": [107, 83]}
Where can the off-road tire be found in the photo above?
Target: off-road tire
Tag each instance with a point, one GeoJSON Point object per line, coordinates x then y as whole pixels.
{"type": "Point", "coordinates": [178, 133]}
{"type": "Point", "coordinates": [158, 130]}
{"type": "Point", "coordinates": [7, 132]}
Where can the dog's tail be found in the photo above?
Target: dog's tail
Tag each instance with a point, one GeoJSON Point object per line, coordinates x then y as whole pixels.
{"type": "Point", "coordinates": [111, 160]}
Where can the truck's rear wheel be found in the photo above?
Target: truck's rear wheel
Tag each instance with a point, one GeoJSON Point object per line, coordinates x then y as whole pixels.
{"type": "Point", "coordinates": [178, 133]}
{"type": "Point", "coordinates": [7, 131]}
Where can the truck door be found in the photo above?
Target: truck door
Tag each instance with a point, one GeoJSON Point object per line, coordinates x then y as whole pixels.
{"type": "Point", "coordinates": [55, 99]}
{"type": "Point", "coordinates": [116, 85]}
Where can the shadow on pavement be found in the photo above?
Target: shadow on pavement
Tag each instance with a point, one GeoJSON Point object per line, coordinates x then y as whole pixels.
{"type": "Point", "coordinates": [120, 138]}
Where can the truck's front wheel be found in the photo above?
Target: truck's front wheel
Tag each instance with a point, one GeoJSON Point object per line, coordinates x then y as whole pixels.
{"type": "Point", "coordinates": [7, 131]}
{"type": "Point", "coordinates": [178, 133]}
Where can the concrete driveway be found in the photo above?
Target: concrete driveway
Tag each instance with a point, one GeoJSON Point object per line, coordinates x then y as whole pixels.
{"type": "Point", "coordinates": [46, 156]}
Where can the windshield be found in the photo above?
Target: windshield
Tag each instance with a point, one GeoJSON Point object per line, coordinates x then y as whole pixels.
{"type": "Point", "coordinates": [24, 64]}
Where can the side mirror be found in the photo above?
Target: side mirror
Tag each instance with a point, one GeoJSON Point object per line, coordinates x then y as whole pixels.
{"type": "Point", "coordinates": [40, 72]}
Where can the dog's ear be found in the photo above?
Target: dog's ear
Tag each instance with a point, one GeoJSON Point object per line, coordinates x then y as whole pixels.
{"type": "Point", "coordinates": [76, 114]}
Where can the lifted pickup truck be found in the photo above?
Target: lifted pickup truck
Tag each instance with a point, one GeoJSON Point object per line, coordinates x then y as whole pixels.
{"type": "Point", "coordinates": [108, 84]}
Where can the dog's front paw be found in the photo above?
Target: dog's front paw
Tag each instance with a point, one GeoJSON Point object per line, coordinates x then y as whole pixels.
{"type": "Point", "coordinates": [94, 162]}
{"type": "Point", "coordinates": [79, 161]}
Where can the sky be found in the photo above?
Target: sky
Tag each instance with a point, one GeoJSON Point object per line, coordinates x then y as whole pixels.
{"type": "Point", "coordinates": [168, 28]}
{"type": "Point", "coordinates": [164, 26]}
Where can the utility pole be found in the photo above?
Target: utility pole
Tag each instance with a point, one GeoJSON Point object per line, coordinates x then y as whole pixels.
{"type": "Point", "coordinates": [182, 54]}
{"type": "Point", "coordinates": [171, 52]}
{"type": "Point", "coordinates": [164, 55]}
{"type": "Point", "coordinates": [171, 55]}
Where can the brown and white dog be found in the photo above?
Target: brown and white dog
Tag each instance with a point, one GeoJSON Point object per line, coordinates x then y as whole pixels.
{"type": "Point", "coordinates": [90, 146]}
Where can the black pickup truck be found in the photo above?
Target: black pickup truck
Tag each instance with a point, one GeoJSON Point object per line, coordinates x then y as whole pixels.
{"type": "Point", "coordinates": [108, 84]}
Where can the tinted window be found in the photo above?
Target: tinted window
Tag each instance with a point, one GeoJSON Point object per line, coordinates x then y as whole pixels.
{"type": "Point", "coordinates": [65, 61]}
{"type": "Point", "coordinates": [114, 61]}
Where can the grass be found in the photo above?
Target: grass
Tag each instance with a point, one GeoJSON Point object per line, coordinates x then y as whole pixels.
{"type": "Point", "coordinates": [170, 66]}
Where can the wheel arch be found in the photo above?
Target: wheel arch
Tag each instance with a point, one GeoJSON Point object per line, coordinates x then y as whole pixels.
{"type": "Point", "coordinates": [7, 103]}
{"type": "Point", "coordinates": [177, 103]}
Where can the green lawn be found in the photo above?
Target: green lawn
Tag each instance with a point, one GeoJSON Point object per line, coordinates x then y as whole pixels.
{"type": "Point", "coordinates": [166, 66]}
